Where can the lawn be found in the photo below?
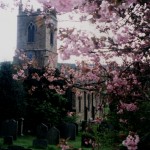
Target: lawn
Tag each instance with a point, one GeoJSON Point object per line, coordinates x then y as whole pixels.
{"type": "Point", "coordinates": [26, 141]}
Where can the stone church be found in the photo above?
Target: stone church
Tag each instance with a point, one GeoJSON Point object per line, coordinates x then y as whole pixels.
{"type": "Point", "coordinates": [38, 41]}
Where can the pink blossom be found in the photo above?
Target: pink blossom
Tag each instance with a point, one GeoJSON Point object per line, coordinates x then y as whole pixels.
{"type": "Point", "coordinates": [104, 11]}
{"type": "Point", "coordinates": [128, 107]}
{"type": "Point", "coordinates": [100, 107]}
{"type": "Point", "coordinates": [15, 76]}
{"type": "Point", "coordinates": [131, 107]}
{"type": "Point", "coordinates": [123, 121]}
{"type": "Point", "coordinates": [20, 73]}
{"type": "Point", "coordinates": [62, 5]}
{"type": "Point", "coordinates": [35, 76]}
{"type": "Point", "coordinates": [33, 88]}
{"type": "Point", "coordinates": [70, 113]}
{"type": "Point", "coordinates": [109, 88]}
{"type": "Point", "coordinates": [86, 142]}
{"type": "Point", "coordinates": [120, 111]}
{"type": "Point", "coordinates": [90, 7]}
{"type": "Point", "coordinates": [22, 57]}
{"type": "Point", "coordinates": [25, 66]}
{"type": "Point", "coordinates": [131, 1]}
{"type": "Point", "coordinates": [121, 38]}
{"type": "Point", "coordinates": [98, 120]}
{"type": "Point", "coordinates": [51, 87]}
{"type": "Point", "coordinates": [131, 141]}
{"type": "Point", "coordinates": [60, 91]}
{"type": "Point", "coordinates": [64, 147]}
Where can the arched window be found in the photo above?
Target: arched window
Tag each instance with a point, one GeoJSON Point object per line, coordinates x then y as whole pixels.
{"type": "Point", "coordinates": [52, 38]}
{"type": "Point", "coordinates": [31, 32]}
{"type": "Point", "coordinates": [79, 98]}
{"type": "Point", "coordinates": [89, 105]}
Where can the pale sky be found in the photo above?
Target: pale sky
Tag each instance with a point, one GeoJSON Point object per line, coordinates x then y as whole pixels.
{"type": "Point", "coordinates": [8, 26]}
{"type": "Point", "coordinates": [8, 32]}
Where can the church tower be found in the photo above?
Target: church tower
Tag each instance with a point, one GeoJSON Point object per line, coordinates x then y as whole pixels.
{"type": "Point", "coordinates": [38, 41]}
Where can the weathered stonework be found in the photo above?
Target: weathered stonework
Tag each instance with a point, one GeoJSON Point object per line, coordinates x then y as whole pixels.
{"type": "Point", "coordinates": [86, 105]}
{"type": "Point", "coordinates": [41, 47]}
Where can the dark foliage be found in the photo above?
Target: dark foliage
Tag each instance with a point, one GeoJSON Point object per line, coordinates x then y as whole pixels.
{"type": "Point", "coordinates": [43, 104]}
{"type": "Point", "coordinates": [12, 104]}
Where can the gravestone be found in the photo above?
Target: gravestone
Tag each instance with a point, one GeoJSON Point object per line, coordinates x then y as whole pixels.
{"type": "Point", "coordinates": [42, 131]}
{"type": "Point", "coordinates": [63, 130]}
{"type": "Point", "coordinates": [67, 130]}
{"type": "Point", "coordinates": [9, 128]}
{"type": "Point", "coordinates": [71, 131]}
{"type": "Point", "coordinates": [8, 140]}
{"type": "Point", "coordinates": [53, 136]}
{"type": "Point", "coordinates": [41, 141]}
{"type": "Point", "coordinates": [77, 128]}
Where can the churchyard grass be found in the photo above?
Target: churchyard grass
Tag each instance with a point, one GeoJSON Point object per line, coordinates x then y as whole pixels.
{"type": "Point", "coordinates": [26, 141]}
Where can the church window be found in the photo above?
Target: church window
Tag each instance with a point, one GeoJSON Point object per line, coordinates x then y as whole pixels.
{"type": "Point", "coordinates": [84, 99]}
{"type": "Point", "coordinates": [79, 98]}
{"type": "Point", "coordinates": [31, 32]}
{"type": "Point", "coordinates": [52, 38]}
{"type": "Point", "coordinates": [89, 106]}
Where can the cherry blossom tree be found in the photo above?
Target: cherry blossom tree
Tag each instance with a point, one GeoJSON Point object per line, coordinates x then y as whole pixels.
{"type": "Point", "coordinates": [117, 59]}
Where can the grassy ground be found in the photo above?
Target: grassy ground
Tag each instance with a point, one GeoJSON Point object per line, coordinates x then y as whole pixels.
{"type": "Point", "coordinates": [26, 141]}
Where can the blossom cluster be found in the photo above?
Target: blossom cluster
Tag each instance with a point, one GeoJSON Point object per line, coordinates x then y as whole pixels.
{"type": "Point", "coordinates": [61, 6]}
{"type": "Point", "coordinates": [115, 62]}
{"type": "Point", "coordinates": [131, 141]}
{"type": "Point", "coordinates": [127, 107]}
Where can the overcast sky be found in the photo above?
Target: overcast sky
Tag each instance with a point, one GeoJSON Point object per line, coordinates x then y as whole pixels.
{"type": "Point", "coordinates": [8, 32]}
{"type": "Point", "coordinates": [7, 35]}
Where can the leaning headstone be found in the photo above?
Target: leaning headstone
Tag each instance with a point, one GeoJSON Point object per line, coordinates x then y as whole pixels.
{"type": "Point", "coordinates": [41, 141]}
{"type": "Point", "coordinates": [53, 136]}
{"type": "Point", "coordinates": [71, 132]}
